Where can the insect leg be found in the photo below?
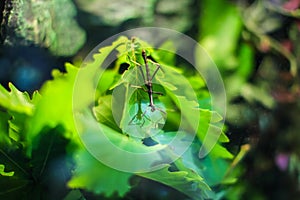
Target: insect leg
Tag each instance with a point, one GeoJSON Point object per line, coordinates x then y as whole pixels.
{"type": "Point", "coordinates": [158, 67]}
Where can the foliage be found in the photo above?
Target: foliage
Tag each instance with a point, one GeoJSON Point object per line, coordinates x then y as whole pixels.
{"type": "Point", "coordinates": [259, 60]}
{"type": "Point", "coordinates": [41, 148]}
{"type": "Point", "coordinates": [254, 45]}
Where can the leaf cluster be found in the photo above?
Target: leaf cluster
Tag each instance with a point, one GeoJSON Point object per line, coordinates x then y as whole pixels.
{"type": "Point", "coordinates": [42, 152]}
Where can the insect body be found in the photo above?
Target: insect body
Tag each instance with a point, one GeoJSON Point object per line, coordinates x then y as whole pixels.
{"type": "Point", "coordinates": [148, 81]}
{"type": "Point", "coordinates": [148, 119]}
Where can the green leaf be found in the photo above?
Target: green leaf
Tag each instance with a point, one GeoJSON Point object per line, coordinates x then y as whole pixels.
{"type": "Point", "coordinates": [129, 87]}
{"type": "Point", "coordinates": [50, 157]}
{"type": "Point", "coordinates": [74, 194]}
{"type": "Point", "coordinates": [17, 125]}
{"type": "Point", "coordinates": [16, 100]}
{"type": "Point", "coordinates": [90, 131]}
{"type": "Point", "coordinates": [246, 60]}
{"type": "Point", "coordinates": [3, 173]}
{"type": "Point", "coordinates": [164, 53]}
{"type": "Point", "coordinates": [107, 79]}
{"type": "Point", "coordinates": [4, 128]}
{"type": "Point", "coordinates": [67, 91]}
{"type": "Point", "coordinates": [243, 72]}
{"type": "Point", "coordinates": [13, 158]}
{"type": "Point", "coordinates": [209, 121]}
{"type": "Point", "coordinates": [103, 112]}
{"type": "Point", "coordinates": [131, 53]}
{"type": "Point", "coordinates": [92, 175]}
{"type": "Point", "coordinates": [55, 106]}
{"type": "Point", "coordinates": [44, 176]}
{"type": "Point", "coordinates": [211, 167]}
{"type": "Point", "coordinates": [217, 39]}
{"type": "Point", "coordinates": [181, 104]}
{"type": "Point", "coordinates": [185, 180]}
{"type": "Point", "coordinates": [17, 107]}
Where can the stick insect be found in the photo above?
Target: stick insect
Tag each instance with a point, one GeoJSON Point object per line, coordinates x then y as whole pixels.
{"type": "Point", "coordinates": [155, 115]}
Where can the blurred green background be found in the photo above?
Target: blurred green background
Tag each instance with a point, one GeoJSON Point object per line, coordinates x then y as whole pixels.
{"type": "Point", "coordinates": [254, 43]}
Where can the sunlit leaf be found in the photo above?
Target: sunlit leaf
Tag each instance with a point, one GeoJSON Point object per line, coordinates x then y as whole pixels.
{"type": "Point", "coordinates": [103, 112]}
{"type": "Point", "coordinates": [60, 92]}
{"type": "Point", "coordinates": [56, 94]}
{"type": "Point", "coordinates": [220, 31]}
{"type": "Point", "coordinates": [4, 128]}
{"type": "Point", "coordinates": [81, 117]}
{"type": "Point", "coordinates": [17, 101]}
{"type": "Point", "coordinates": [3, 173]}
